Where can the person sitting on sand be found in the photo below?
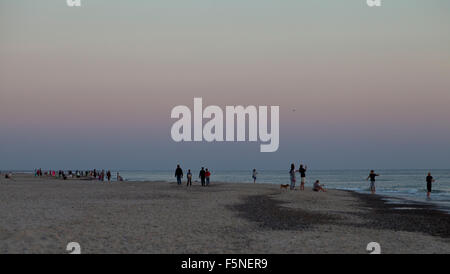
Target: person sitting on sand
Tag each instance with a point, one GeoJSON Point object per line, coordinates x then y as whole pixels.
{"type": "Point", "coordinates": [429, 180]}
{"type": "Point", "coordinates": [372, 176]}
{"type": "Point", "coordinates": [179, 174]}
{"type": "Point", "coordinates": [119, 178]}
{"type": "Point", "coordinates": [254, 175]}
{"type": "Point", "coordinates": [317, 187]}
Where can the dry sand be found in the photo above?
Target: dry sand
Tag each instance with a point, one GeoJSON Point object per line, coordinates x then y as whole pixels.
{"type": "Point", "coordinates": [42, 215]}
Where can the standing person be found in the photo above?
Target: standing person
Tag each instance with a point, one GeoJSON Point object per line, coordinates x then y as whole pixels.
{"type": "Point", "coordinates": [372, 176]}
{"type": "Point", "coordinates": [292, 174]}
{"type": "Point", "coordinates": [302, 171]}
{"type": "Point", "coordinates": [179, 174]}
{"type": "Point", "coordinates": [429, 180]}
{"type": "Point", "coordinates": [207, 175]}
{"type": "Point", "coordinates": [108, 174]}
{"type": "Point", "coordinates": [254, 175]}
{"type": "Point", "coordinates": [103, 175]}
{"type": "Point", "coordinates": [202, 176]}
{"type": "Point", "coordinates": [189, 178]}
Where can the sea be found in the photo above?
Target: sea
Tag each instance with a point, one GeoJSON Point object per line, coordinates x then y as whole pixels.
{"type": "Point", "coordinates": [405, 184]}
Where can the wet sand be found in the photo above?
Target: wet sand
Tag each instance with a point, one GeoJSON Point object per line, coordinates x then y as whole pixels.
{"type": "Point", "coordinates": [42, 215]}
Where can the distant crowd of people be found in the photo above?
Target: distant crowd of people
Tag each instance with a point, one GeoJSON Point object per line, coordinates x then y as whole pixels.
{"type": "Point", "coordinates": [204, 175]}
{"type": "Point", "coordinates": [88, 174]}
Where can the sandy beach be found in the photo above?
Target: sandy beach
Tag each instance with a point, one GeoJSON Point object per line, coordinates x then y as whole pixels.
{"type": "Point", "coordinates": [42, 215]}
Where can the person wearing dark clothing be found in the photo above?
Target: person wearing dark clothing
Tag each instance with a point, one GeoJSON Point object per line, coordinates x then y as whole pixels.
{"type": "Point", "coordinates": [202, 176]}
{"type": "Point", "coordinates": [292, 175]}
{"type": "Point", "coordinates": [108, 175]}
{"type": "Point", "coordinates": [430, 181]}
{"type": "Point", "coordinates": [179, 174]}
{"type": "Point", "coordinates": [372, 176]}
{"type": "Point", "coordinates": [302, 171]}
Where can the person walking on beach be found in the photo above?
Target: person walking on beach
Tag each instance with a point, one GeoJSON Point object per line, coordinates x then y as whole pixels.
{"type": "Point", "coordinates": [189, 178]}
{"type": "Point", "coordinates": [207, 176]}
{"type": "Point", "coordinates": [108, 175]}
{"type": "Point", "coordinates": [202, 176]}
{"type": "Point", "coordinates": [302, 171]}
{"type": "Point", "coordinates": [292, 175]}
{"type": "Point", "coordinates": [179, 174]}
{"type": "Point", "coordinates": [254, 175]}
{"type": "Point", "coordinates": [430, 181]}
{"type": "Point", "coordinates": [372, 176]}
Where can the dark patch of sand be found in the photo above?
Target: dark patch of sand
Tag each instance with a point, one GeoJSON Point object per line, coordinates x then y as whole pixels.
{"type": "Point", "coordinates": [419, 217]}
{"type": "Point", "coordinates": [270, 214]}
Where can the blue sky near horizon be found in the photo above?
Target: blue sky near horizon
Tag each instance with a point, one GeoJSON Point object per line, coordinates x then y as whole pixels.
{"type": "Point", "coordinates": [94, 86]}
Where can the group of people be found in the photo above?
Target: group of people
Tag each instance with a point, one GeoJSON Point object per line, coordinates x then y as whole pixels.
{"type": "Point", "coordinates": [8, 175]}
{"type": "Point", "coordinates": [204, 176]}
{"type": "Point", "coordinates": [89, 174]}
{"type": "Point", "coordinates": [318, 187]}
{"type": "Point", "coordinates": [302, 170]}
{"type": "Point", "coordinates": [372, 175]}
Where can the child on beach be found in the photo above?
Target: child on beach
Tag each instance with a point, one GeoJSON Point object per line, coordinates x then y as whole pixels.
{"type": "Point", "coordinates": [254, 175]}
{"type": "Point", "coordinates": [372, 176]}
{"type": "Point", "coordinates": [119, 178]}
{"type": "Point", "coordinates": [207, 175]}
{"type": "Point", "coordinates": [189, 178]}
{"type": "Point", "coordinates": [292, 175]}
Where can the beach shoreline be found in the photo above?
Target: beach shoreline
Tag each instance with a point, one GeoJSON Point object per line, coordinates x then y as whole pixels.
{"type": "Point", "coordinates": [42, 215]}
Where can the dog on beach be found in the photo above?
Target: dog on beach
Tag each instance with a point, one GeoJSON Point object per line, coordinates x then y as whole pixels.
{"type": "Point", "coordinates": [284, 186]}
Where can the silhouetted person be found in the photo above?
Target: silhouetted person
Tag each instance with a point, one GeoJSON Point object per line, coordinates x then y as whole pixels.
{"type": "Point", "coordinates": [372, 176]}
{"type": "Point", "coordinates": [202, 176]}
{"type": "Point", "coordinates": [430, 181]}
{"type": "Point", "coordinates": [302, 171]}
{"type": "Point", "coordinates": [292, 177]}
{"type": "Point", "coordinates": [179, 174]}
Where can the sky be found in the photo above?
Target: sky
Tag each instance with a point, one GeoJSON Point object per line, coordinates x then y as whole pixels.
{"type": "Point", "coordinates": [94, 86]}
